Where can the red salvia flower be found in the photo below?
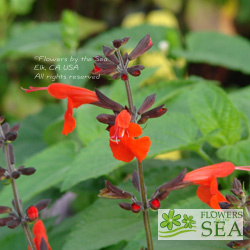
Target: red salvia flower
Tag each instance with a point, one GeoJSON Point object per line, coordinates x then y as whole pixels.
{"type": "Point", "coordinates": [39, 232]}
{"type": "Point", "coordinates": [206, 178]}
{"type": "Point", "coordinates": [122, 142]}
{"type": "Point", "coordinates": [76, 97]}
{"type": "Point", "coordinates": [32, 213]}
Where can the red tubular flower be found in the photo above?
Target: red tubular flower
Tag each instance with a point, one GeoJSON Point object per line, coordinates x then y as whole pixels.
{"type": "Point", "coordinates": [39, 232]}
{"type": "Point", "coordinates": [127, 147]}
{"type": "Point", "coordinates": [76, 97]}
{"type": "Point", "coordinates": [206, 178]}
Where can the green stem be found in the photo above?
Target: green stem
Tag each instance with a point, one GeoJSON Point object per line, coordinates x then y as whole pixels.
{"type": "Point", "coordinates": [130, 100]}
{"type": "Point", "coordinates": [17, 201]}
{"type": "Point", "coordinates": [143, 193]}
{"type": "Point", "coordinates": [146, 221]}
{"type": "Point", "coordinates": [204, 156]}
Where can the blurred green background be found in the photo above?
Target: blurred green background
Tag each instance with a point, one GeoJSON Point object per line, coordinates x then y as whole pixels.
{"type": "Point", "coordinates": [199, 68]}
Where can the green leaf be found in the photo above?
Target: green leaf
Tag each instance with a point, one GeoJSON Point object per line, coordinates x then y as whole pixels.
{"type": "Point", "coordinates": [238, 153]}
{"type": "Point", "coordinates": [240, 99]}
{"type": "Point", "coordinates": [217, 49]}
{"type": "Point", "coordinates": [116, 224]}
{"type": "Point", "coordinates": [76, 67]}
{"type": "Point", "coordinates": [51, 164]}
{"type": "Point", "coordinates": [12, 239]}
{"type": "Point", "coordinates": [30, 135]}
{"type": "Point", "coordinates": [243, 15]}
{"type": "Point", "coordinates": [70, 30]}
{"type": "Point", "coordinates": [88, 27]}
{"type": "Point", "coordinates": [53, 133]}
{"type": "Point", "coordinates": [3, 8]}
{"type": "Point", "coordinates": [33, 40]}
{"type": "Point", "coordinates": [213, 110]}
{"type": "Point", "coordinates": [92, 161]}
{"type": "Point", "coordinates": [171, 132]}
{"type": "Point", "coordinates": [88, 128]}
{"type": "Point", "coordinates": [21, 7]}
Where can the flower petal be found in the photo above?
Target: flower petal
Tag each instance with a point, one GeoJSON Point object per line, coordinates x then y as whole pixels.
{"type": "Point", "coordinates": [140, 147]}
{"type": "Point", "coordinates": [39, 232]}
{"type": "Point", "coordinates": [123, 119]}
{"type": "Point", "coordinates": [214, 186]}
{"type": "Point", "coordinates": [215, 199]}
{"type": "Point", "coordinates": [203, 192]}
{"type": "Point", "coordinates": [204, 175]}
{"type": "Point", "coordinates": [134, 130]}
{"type": "Point", "coordinates": [78, 95]}
{"type": "Point", "coordinates": [69, 120]}
{"type": "Point", "coordinates": [120, 151]}
{"type": "Point", "coordinates": [211, 195]}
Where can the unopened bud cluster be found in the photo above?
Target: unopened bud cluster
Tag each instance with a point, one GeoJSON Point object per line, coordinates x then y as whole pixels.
{"type": "Point", "coordinates": [15, 216]}
{"type": "Point", "coordinates": [240, 200]}
{"type": "Point", "coordinates": [161, 193]}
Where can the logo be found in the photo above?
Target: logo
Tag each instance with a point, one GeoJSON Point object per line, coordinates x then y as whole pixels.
{"type": "Point", "coordinates": [200, 224]}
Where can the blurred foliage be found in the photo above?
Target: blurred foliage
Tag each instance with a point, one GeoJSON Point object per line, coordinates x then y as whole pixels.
{"type": "Point", "coordinates": [40, 42]}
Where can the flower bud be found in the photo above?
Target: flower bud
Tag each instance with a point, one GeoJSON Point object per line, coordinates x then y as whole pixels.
{"type": "Point", "coordinates": [6, 128]}
{"type": "Point", "coordinates": [42, 204]}
{"type": "Point", "coordinates": [26, 171]}
{"type": "Point", "coordinates": [15, 174]}
{"type": "Point", "coordinates": [113, 192]}
{"type": "Point", "coordinates": [156, 112]}
{"type": "Point", "coordinates": [107, 103]}
{"type": "Point", "coordinates": [136, 207]}
{"type": "Point", "coordinates": [120, 42]}
{"type": "Point", "coordinates": [144, 45]}
{"type": "Point", "coordinates": [116, 76]}
{"type": "Point", "coordinates": [134, 71]}
{"type": "Point", "coordinates": [225, 205]}
{"type": "Point", "coordinates": [135, 180]}
{"type": "Point", "coordinates": [32, 213]}
{"type": "Point", "coordinates": [147, 104]}
{"type": "Point", "coordinates": [238, 244]}
{"type": "Point", "coordinates": [13, 223]}
{"type": "Point", "coordinates": [231, 199]}
{"type": "Point", "coordinates": [143, 120]}
{"type": "Point", "coordinates": [107, 51]}
{"type": "Point", "coordinates": [106, 119]}
{"type": "Point", "coordinates": [3, 221]}
{"type": "Point", "coordinates": [5, 210]}
{"type": "Point", "coordinates": [15, 127]}
{"type": "Point", "coordinates": [11, 136]}
{"type": "Point", "coordinates": [125, 205]}
{"type": "Point", "coordinates": [124, 77]}
{"type": "Point", "coordinates": [155, 204]}
{"type": "Point", "coordinates": [2, 171]}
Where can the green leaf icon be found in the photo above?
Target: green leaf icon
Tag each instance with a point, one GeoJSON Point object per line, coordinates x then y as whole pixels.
{"type": "Point", "coordinates": [170, 220]}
